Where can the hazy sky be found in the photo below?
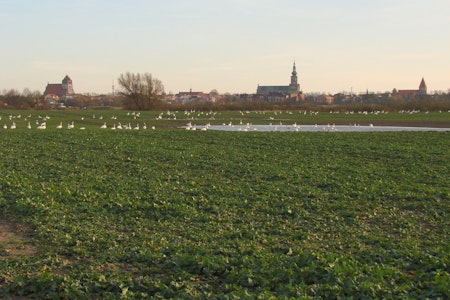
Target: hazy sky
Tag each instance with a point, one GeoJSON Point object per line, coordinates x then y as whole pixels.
{"type": "Point", "coordinates": [228, 45]}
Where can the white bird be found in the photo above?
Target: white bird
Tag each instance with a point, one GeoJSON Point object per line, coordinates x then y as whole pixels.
{"type": "Point", "coordinates": [103, 126]}
{"type": "Point", "coordinates": [29, 125]}
{"type": "Point", "coordinates": [13, 126]}
{"type": "Point", "coordinates": [153, 127]}
{"type": "Point", "coordinates": [144, 126]}
{"type": "Point", "coordinates": [42, 126]}
{"type": "Point", "coordinates": [5, 126]}
{"type": "Point", "coordinates": [113, 127]}
{"type": "Point", "coordinates": [137, 127]}
{"type": "Point", "coordinates": [59, 126]}
{"type": "Point", "coordinates": [70, 125]}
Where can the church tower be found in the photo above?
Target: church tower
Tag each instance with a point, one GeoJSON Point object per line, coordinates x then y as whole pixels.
{"type": "Point", "coordinates": [67, 86]}
{"type": "Point", "coordinates": [422, 87]}
{"type": "Point", "coordinates": [294, 87]}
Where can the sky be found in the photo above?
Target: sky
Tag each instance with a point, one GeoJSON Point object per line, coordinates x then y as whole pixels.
{"type": "Point", "coordinates": [227, 45]}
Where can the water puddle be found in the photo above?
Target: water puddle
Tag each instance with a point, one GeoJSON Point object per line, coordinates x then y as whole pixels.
{"type": "Point", "coordinates": [310, 128]}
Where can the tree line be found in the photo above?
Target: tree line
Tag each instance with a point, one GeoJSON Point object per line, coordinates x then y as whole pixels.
{"type": "Point", "coordinates": [145, 92]}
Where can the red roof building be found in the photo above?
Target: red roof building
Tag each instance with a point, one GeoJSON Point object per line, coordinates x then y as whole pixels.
{"type": "Point", "coordinates": [411, 93]}
{"type": "Point", "coordinates": [185, 97]}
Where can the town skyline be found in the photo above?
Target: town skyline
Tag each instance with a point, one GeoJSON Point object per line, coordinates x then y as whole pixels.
{"type": "Point", "coordinates": [230, 46]}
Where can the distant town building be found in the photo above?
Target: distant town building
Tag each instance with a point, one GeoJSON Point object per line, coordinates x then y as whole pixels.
{"type": "Point", "coordinates": [59, 90]}
{"type": "Point", "coordinates": [411, 93]}
{"type": "Point", "coordinates": [324, 99]}
{"type": "Point", "coordinates": [279, 92]}
{"type": "Point", "coordinates": [186, 97]}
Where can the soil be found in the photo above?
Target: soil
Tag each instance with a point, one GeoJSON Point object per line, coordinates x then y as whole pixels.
{"type": "Point", "coordinates": [15, 240]}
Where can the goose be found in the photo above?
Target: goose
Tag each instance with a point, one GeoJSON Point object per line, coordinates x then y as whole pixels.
{"type": "Point", "coordinates": [13, 126]}
{"type": "Point", "coordinates": [5, 126]}
{"type": "Point", "coordinates": [70, 125]}
{"type": "Point", "coordinates": [144, 126]}
{"type": "Point", "coordinates": [136, 127]}
{"type": "Point", "coordinates": [103, 126]}
{"type": "Point", "coordinates": [42, 126]}
{"type": "Point", "coordinates": [59, 126]}
{"type": "Point", "coordinates": [113, 127]}
{"type": "Point", "coordinates": [29, 125]}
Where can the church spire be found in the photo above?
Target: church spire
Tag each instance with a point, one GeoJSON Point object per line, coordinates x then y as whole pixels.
{"type": "Point", "coordinates": [294, 70]}
{"type": "Point", "coordinates": [423, 87]}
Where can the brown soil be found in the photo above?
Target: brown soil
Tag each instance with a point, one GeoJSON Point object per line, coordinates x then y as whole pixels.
{"type": "Point", "coordinates": [14, 240]}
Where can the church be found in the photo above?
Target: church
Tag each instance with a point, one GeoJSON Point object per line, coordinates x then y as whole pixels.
{"type": "Point", "coordinates": [412, 93]}
{"type": "Point", "coordinates": [291, 91]}
{"type": "Point", "coordinates": [59, 90]}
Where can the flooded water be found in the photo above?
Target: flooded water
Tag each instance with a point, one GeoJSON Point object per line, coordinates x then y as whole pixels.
{"type": "Point", "coordinates": [311, 128]}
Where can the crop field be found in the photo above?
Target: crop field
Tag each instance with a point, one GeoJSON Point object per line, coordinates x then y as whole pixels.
{"type": "Point", "coordinates": [138, 214]}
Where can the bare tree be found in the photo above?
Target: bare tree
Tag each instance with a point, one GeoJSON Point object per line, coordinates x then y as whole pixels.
{"type": "Point", "coordinates": [141, 91]}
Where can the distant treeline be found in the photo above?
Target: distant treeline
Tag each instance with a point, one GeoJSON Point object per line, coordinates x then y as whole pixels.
{"type": "Point", "coordinates": [422, 103]}
{"type": "Point", "coordinates": [34, 100]}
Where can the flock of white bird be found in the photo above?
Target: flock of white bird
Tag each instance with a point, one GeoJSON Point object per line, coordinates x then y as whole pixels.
{"type": "Point", "coordinates": [41, 123]}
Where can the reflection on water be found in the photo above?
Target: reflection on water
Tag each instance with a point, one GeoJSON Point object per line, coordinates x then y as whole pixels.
{"type": "Point", "coordinates": [310, 128]}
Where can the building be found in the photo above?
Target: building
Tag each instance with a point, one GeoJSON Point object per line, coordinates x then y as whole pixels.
{"type": "Point", "coordinates": [284, 91]}
{"type": "Point", "coordinates": [412, 93]}
{"type": "Point", "coordinates": [59, 90]}
{"type": "Point", "coordinates": [186, 97]}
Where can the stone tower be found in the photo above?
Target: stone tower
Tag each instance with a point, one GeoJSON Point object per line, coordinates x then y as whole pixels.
{"type": "Point", "coordinates": [67, 86]}
{"type": "Point", "coordinates": [294, 87]}
{"type": "Point", "coordinates": [422, 87]}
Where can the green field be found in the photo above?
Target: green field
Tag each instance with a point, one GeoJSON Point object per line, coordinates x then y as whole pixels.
{"type": "Point", "coordinates": [179, 214]}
